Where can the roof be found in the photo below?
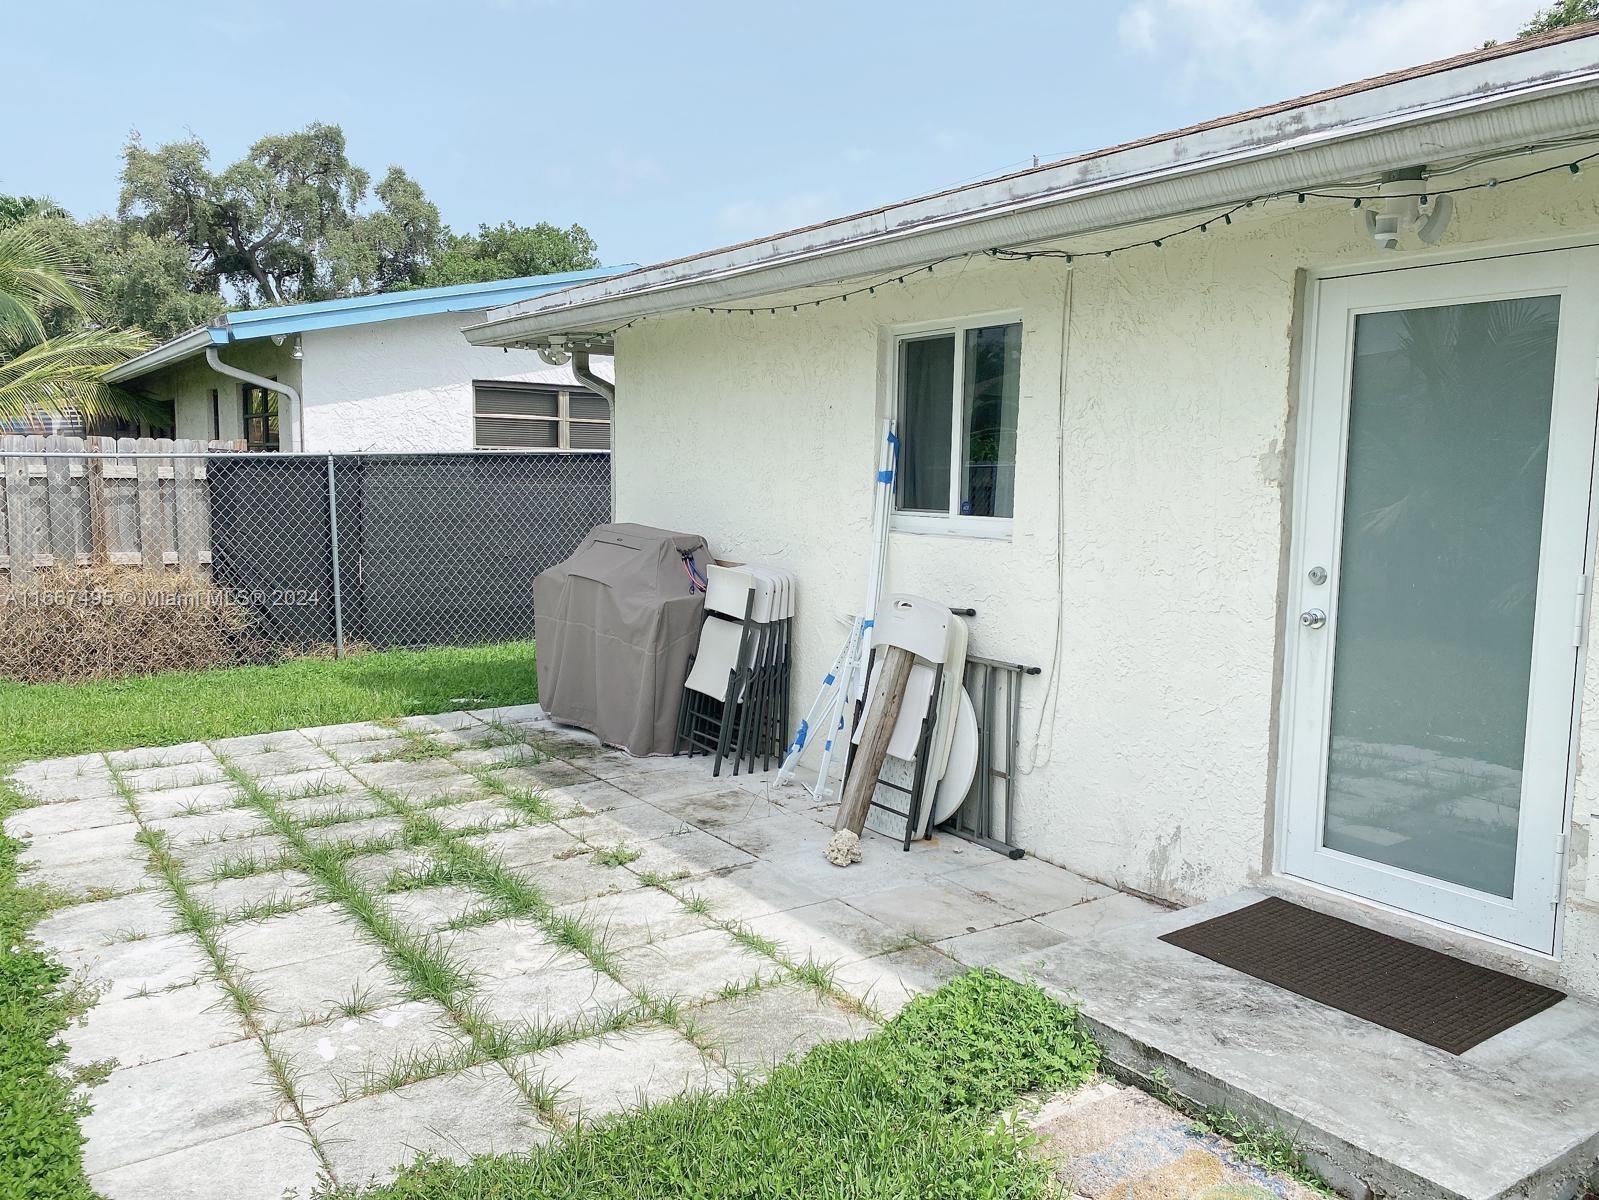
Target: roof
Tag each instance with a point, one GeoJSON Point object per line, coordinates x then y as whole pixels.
{"type": "Point", "coordinates": [1534, 89]}
{"type": "Point", "coordinates": [249, 324]}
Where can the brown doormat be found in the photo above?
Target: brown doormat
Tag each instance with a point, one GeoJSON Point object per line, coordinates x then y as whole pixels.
{"type": "Point", "coordinates": [1432, 997]}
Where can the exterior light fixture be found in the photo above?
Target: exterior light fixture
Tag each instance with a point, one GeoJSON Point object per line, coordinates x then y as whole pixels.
{"type": "Point", "coordinates": [298, 352]}
{"type": "Point", "coordinates": [1404, 208]}
{"type": "Point", "coordinates": [555, 354]}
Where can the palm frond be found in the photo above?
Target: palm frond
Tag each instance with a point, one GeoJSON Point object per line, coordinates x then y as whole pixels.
{"type": "Point", "coordinates": [37, 273]}
{"type": "Point", "coordinates": [67, 373]}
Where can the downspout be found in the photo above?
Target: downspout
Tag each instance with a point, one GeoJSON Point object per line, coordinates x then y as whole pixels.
{"type": "Point", "coordinates": [585, 372]}
{"type": "Point", "coordinates": [295, 411]}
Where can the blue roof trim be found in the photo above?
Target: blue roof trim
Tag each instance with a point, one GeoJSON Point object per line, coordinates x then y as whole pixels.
{"type": "Point", "coordinates": [249, 324]}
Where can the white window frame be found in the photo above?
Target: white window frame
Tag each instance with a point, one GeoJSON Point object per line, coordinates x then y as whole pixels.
{"type": "Point", "coordinates": [951, 523]}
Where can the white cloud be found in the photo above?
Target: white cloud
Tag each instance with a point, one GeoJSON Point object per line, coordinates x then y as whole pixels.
{"type": "Point", "coordinates": [755, 218]}
{"type": "Point", "coordinates": [1297, 46]}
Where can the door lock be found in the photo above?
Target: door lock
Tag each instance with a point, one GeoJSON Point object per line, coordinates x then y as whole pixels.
{"type": "Point", "coordinates": [1313, 618]}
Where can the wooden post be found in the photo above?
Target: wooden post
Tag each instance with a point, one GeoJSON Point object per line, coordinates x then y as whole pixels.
{"type": "Point", "coordinates": [190, 509]}
{"type": "Point", "coordinates": [147, 495]}
{"type": "Point", "coordinates": [19, 516]}
{"type": "Point", "coordinates": [894, 671]}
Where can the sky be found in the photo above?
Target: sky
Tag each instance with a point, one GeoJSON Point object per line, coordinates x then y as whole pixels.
{"type": "Point", "coordinates": [671, 127]}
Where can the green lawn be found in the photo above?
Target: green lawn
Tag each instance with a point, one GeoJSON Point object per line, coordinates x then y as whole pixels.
{"type": "Point", "coordinates": [40, 1147]}
{"type": "Point", "coordinates": [908, 1114]}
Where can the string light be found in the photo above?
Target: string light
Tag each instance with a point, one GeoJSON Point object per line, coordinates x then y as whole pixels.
{"type": "Point", "coordinates": [1006, 254]}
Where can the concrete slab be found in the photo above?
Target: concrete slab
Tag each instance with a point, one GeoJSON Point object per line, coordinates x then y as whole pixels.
{"type": "Point", "coordinates": [237, 856]}
{"type": "Point", "coordinates": [478, 1111]}
{"type": "Point", "coordinates": [351, 833]}
{"type": "Point", "coordinates": [743, 893]}
{"type": "Point", "coordinates": [603, 1075]}
{"type": "Point", "coordinates": [988, 946]}
{"type": "Point", "coordinates": [566, 881]}
{"type": "Point", "coordinates": [1516, 1116]}
{"type": "Point", "coordinates": [288, 758]}
{"type": "Point", "coordinates": [352, 804]}
{"type": "Point", "coordinates": [344, 978]}
{"type": "Point", "coordinates": [257, 743]}
{"type": "Point", "coordinates": [634, 918]}
{"type": "Point", "coordinates": [84, 846]}
{"type": "Point", "coordinates": [429, 909]}
{"type": "Point", "coordinates": [221, 825]}
{"type": "Point", "coordinates": [159, 756]}
{"type": "Point", "coordinates": [417, 780]}
{"type": "Point", "coordinates": [349, 732]}
{"type": "Point", "coordinates": [635, 820]}
{"type": "Point", "coordinates": [94, 879]}
{"type": "Point", "coordinates": [83, 784]}
{"type": "Point", "coordinates": [370, 750]}
{"type": "Point", "coordinates": [231, 899]}
{"type": "Point", "coordinates": [724, 806]}
{"type": "Point", "coordinates": [1027, 886]}
{"type": "Point", "coordinates": [829, 932]}
{"type": "Point", "coordinates": [891, 981]}
{"type": "Point", "coordinates": [146, 1029]}
{"type": "Point", "coordinates": [374, 870]}
{"type": "Point", "coordinates": [70, 816]}
{"type": "Point", "coordinates": [270, 1162]}
{"type": "Point", "coordinates": [165, 778]}
{"type": "Point", "coordinates": [291, 937]}
{"type": "Point", "coordinates": [186, 1100]}
{"type": "Point", "coordinates": [694, 966]}
{"type": "Point", "coordinates": [1100, 916]}
{"type": "Point", "coordinates": [501, 949]}
{"type": "Point", "coordinates": [149, 965]}
{"type": "Point", "coordinates": [101, 923]}
{"type": "Point", "coordinates": [774, 831]}
{"type": "Point", "coordinates": [755, 1032]}
{"type": "Point", "coordinates": [199, 797]}
{"type": "Point", "coordinates": [525, 845]}
{"type": "Point", "coordinates": [563, 990]}
{"type": "Point", "coordinates": [533, 772]}
{"type": "Point", "coordinates": [687, 853]}
{"type": "Point", "coordinates": [934, 911]}
{"type": "Point", "coordinates": [487, 813]}
{"type": "Point", "coordinates": [335, 1061]}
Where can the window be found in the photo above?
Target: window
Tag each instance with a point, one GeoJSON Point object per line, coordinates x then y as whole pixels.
{"type": "Point", "coordinates": [216, 416]}
{"type": "Point", "coordinates": [260, 418]}
{"type": "Point", "coordinates": [527, 416]}
{"type": "Point", "coordinates": [958, 394]}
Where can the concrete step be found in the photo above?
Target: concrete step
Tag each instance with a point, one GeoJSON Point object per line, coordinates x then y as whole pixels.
{"type": "Point", "coordinates": [1379, 1114]}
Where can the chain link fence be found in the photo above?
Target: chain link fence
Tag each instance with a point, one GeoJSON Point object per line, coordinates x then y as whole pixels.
{"type": "Point", "coordinates": [172, 558]}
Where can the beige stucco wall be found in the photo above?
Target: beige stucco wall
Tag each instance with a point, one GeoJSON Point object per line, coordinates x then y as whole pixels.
{"type": "Point", "coordinates": [1154, 765]}
{"type": "Point", "coordinates": [188, 385]}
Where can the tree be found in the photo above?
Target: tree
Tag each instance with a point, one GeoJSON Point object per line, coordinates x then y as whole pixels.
{"type": "Point", "coordinates": [284, 223]}
{"type": "Point", "coordinates": [1560, 15]}
{"type": "Point", "coordinates": [510, 251]}
{"type": "Point", "coordinates": [143, 282]}
{"type": "Point", "coordinates": [45, 374]}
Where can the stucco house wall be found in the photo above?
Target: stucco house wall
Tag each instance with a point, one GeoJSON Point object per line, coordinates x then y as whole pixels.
{"type": "Point", "coordinates": [188, 386]}
{"type": "Point", "coordinates": [400, 385]}
{"type": "Point", "coordinates": [403, 385]}
{"type": "Point", "coordinates": [1153, 501]}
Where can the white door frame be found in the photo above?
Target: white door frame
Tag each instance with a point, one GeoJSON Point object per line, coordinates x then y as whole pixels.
{"type": "Point", "coordinates": [1530, 918]}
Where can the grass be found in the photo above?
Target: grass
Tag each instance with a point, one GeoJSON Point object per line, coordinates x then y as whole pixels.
{"type": "Point", "coordinates": [48, 720]}
{"type": "Point", "coordinates": [910, 1111]}
{"type": "Point", "coordinates": [41, 1151]}
{"type": "Point", "coordinates": [41, 1155]}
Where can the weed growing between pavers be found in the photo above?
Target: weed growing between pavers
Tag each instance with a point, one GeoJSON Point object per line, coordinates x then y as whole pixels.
{"type": "Point", "coordinates": [1264, 1145]}
{"type": "Point", "coordinates": [41, 1150]}
{"type": "Point", "coordinates": [908, 1112]}
{"type": "Point", "coordinates": [202, 923]}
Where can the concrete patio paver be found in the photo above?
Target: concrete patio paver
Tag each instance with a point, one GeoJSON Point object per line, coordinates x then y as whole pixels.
{"type": "Point", "coordinates": [603, 955]}
{"type": "Point", "coordinates": [476, 1111]}
{"type": "Point", "coordinates": [268, 1162]}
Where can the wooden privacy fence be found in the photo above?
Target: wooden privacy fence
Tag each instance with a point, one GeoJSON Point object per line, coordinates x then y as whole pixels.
{"type": "Point", "coordinates": [103, 501]}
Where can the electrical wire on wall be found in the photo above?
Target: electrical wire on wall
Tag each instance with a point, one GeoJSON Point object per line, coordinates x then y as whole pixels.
{"type": "Point", "coordinates": [1049, 703]}
{"type": "Point", "coordinates": [1355, 193]}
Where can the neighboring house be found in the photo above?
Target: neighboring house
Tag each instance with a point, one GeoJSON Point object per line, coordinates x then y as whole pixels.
{"type": "Point", "coordinates": [383, 372]}
{"type": "Point", "coordinates": [1298, 526]}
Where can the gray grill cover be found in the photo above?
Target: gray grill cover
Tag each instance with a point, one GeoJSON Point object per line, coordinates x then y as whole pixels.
{"type": "Point", "coordinates": [615, 626]}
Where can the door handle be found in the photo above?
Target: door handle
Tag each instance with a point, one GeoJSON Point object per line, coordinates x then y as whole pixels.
{"type": "Point", "coordinates": [1313, 618]}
